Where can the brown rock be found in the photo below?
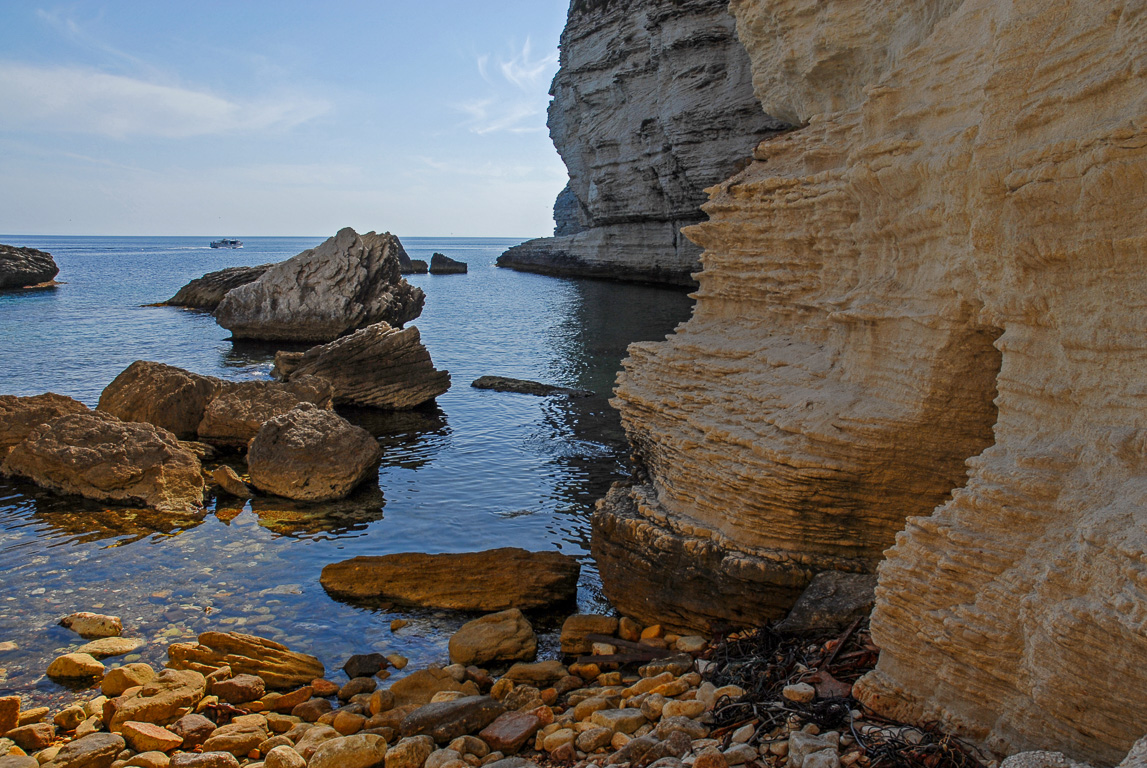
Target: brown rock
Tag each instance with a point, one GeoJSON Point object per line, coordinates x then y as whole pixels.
{"type": "Point", "coordinates": [410, 752]}
{"type": "Point", "coordinates": [493, 580]}
{"type": "Point", "coordinates": [576, 627]}
{"type": "Point", "coordinates": [378, 366]}
{"type": "Point", "coordinates": [830, 603]}
{"type": "Point", "coordinates": [348, 723]}
{"type": "Point", "coordinates": [163, 395]}
{"type": "Point", "coordinates": [204, 760]}
{"type": "Point", "coordinates": [238, 738]}
{"type": "Point", "coordinates": [98, 456]}
{"type": "Point", "coordinates": [159, 701]}
{"type": "Point", "coordinates": [344, 284]}
{"type": "Point", "coordinates": [228, 480]}
{"type": "Point", "coordinates": [111, 646]}
{"type": "Point", "coordinates": [96, 750]}
{"type": "Point", "coordinates": [418, 688]}
{"type": "Point", "coordinates": [74, 666]}
{"type": "Point", "coordinates": [628, 629]}
{"type": "Point", "coordinates": [288, 701]}
{"type": "Point", "coordinates": [364, 750]}
{"type": "Point", "coordinates": [447, 720]}
{"type": "Point", "coordinates": [9, 713]}
{"type": "Point", "coordinates": [32, 738]}
{"type": "Point", "coordinates": [323, 688]}
{"type": "Point", "coordinates": [206, 292]}
{"type": "Point", "coordinates": [278, 666]}
{"type": "Point", "coordinates": [193, 729]}
{"type": "Point", "coordinates": [502, 636]}
{"type": "Point", "coordinates": [237, 413]}
{"type": "Point", "coordinates": [145, 737]}
{"type": "Point", "coordinates": [510, 732]}
{"type": "Point", "coordinates": [357, 685]}
{"type": "Point", "coordinates": [312, 709]}
{"type": "Point", "coordinates": [311, 454]}
{"type": "Point", "coordinates": [539, 673]}
{"type": "Point", "coordinates": [20, 415]}
{"type": "Point", "coordinates": [239, 689]}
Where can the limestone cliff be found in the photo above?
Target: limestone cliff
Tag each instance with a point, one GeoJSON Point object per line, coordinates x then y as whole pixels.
{"type": "Point", "coordinates": [945, 263]}
{"type": "Point", "coordinates": [652, 104]}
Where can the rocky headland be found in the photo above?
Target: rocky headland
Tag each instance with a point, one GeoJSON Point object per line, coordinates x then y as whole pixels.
{"type": "Point", "coordinates": [652, 104]}
{"type": "Point", "coordinates": [25, 267]}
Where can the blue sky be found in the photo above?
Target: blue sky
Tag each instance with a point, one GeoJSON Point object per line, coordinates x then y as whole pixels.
{"type": "Point", "coordinates": [278, 118]}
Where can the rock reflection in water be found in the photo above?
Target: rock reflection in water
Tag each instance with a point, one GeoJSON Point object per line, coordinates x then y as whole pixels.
{"type": "Point", "coordinates": [329, 520]}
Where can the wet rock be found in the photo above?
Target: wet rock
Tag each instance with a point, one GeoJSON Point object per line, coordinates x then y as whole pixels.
{"type": "Point", "coordinates": [90, 625]}
{"type": "Point", "coordinates": [419, 688]}
{"type": "Point", "coordinates": [441, 264]}
{"type": "Point", "coordinates": [347, 283]}
{"type": "Point", "coordinates": [194, 729]}
{"type": "Point", "coordinates": [204, 760]}
{"type": "Point", "coordinates": [230, 482]}
{"type": "Point", "coordinates": [502, 636]}
{"type": "Point", "coordinates": [20, 415]}
{"type": "Point", "coordinates": [239, 689]}
{"type": "Point", "coordinates": [206, 292]}
{"type": "Point", "coordinates": [410, 752]}
{"type": "Point", "coordinates": [493, 580]}
{"type": "Point", "coordinates": [111, 646]}
{"type": "Point", "coordinates": [100, 457]}
{"type": "Point", "coordinates": [526, 387]}
{"type": "Point", "coordinates": [576, 628]}
{"type": "Point", "coordinates": [362, 750]}
{"type": "Point", "coordinates": [539, 673]}
{"type": "Point", "coordinates": [97, 750]}
{"type": "Point", "coordinates": [364, 665]}
{"type": "Point", "coordinates": [75, 666]}
{"type": "Point", "coordinates": [445, 721]}
{"type": "Point", "coordinates": [278, 666]}
{"type": "Point", "coordinates": [145, 737]}
{"type": "Point", "coordinates": [310, 454]}
{"type": "Point", "coordinates": [24, 267]}
{"type": "Point", "coordinates": [830, 603]}
{"type": "Point", "coordinates": [235, 415]}
{"type": "Point", "coordinates": [159, 701]}
{"type": "Point", "coordinates": [378, 367]}
{"type": "Point", "coordinates": [163, 395]}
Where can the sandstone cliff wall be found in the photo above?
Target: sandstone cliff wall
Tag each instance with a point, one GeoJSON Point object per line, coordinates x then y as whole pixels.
{"type": "Point", "coordinates": [945, 263]}
{"type": "Point", "coordinates": [653, 103]}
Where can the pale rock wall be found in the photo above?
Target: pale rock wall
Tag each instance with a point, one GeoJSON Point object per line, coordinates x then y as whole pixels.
{"type": "Point", "coordinates": [652, 104]}
{"type": "Point", "coordinates": [958, 230]}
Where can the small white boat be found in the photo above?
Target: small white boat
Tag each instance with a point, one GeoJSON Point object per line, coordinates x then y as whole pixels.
{"type": "Point", "coordinates": [226, 243]}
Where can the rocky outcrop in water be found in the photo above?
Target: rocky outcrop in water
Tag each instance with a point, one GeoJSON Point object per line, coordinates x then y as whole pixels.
{"type": "Point", "coordinates": [238, 412]}
{"type": "Point", "coordinates": [377, 367]}
{"type": "Point", "coordinates": [23, 267]}
{"type": "Point", "coordinates": [20, 415]}
{"type": "Point", "coordinates": [922, 275]}
{"type": "Point", "coordinates": [206, 292]}
{"type": "Point", "coordinates": [100, 457]}
{"type": "Point", "coordinates": [161, 394]}
{"type": "Point", "coordinates": [653, 103]}
{"type": "Point", "coordinates": [441, 264]}
{"type": "Point", "coordinates": [347, 283]}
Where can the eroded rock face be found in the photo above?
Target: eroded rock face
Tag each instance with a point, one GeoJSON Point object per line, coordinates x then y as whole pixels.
{"type": "Point", "coordinates": [311, 454]}
{"type": "Point", "coordinates": [347, 283]}
{"type": "Point", "coordinates": [20, 415]}
{"type": "Point", "coordinates": [237, 414]}
{"type": "Point", "coordinates": [206, 292]}
{"type": "Point", "coordinates": [278, 666]}
{"type": "Point", "coordinates": [653, 103]}
{"type": "Point", "coordinates": [946, 231]}
{"type": "Point", "coordinates": [159, 701]}
{"type": "Point", "coordinates": [22, 267]}
{"type": "Point", "coordinates": [378, 367]}
{"type": "Point", "coordinates": [160, 394]}
{"type": "Point", "coordinates": [100, 457]}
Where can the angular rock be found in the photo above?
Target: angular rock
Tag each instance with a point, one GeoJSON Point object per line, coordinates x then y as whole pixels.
{"type": "Point", "coordinates": [9, 713]}
{"type": "Point", "coordinates": [74, 666]}
{"type": "Point", "coordinates": [447, 720]}
{"type": "Point", "coordinates": [100, 457]}
{"type": "Point", "coordinates": [229, 481]}
{"type": "Point", "coordinates": [493, 580]}
{"type": "Point", "coordinates": [363, 750]}
{"type": "Point", "coordinates": [526, 387]}
{"type": "Point", "coordinates": [237, 413]}
{"type": "Point", "coordinates": [356, 686]}
{"type": "Point", "coordinates": [111, 646]}
{"type": "Point", "coordinates": [24, 267]}
{"type": "Point", "coordinates": [159, 701]}
{"type": "Point", "coordinates": [163, 395]}
{"type": "Point", "coordinates": [20, 415]}
{"type": "Point", "coordinates": [578, 626]}
{"type": "Point", "coordinates": [33, 737]}
{"type": "Point", "coordinates": [418, 267]}
{"type": "Point", "coordinates": [239, 689]}
{"type": "Point", "coordinates": [91, 625]}
{"type": "Point", "coordinates": [618, 720]}
{"type": "Point", "coordinates": [97, 750]}
{"type": "Point", "coordinates": [441, 264]}
{"type": "Point", "coordinates": [378, 367]}
{"type": "Point", "coordinates": [830, 603]}
{"type": "Point", "coordinates": [194, 729]}
{"type": "Point", "coordinates": [278, 666]}
{"type": "Point", "coordinates": [510, 732]}
{"type": "Point", "coordinates": [345, 284]}
{"type": "Point", "coordinates": [145, 737]}
{"type": "Point", "coordinates": [502, 636]}
{"type": "Point", "coordinates": [206, 292]}
{"type": "Point", "coordinates": [310, 454]}
{"type": "Point", "coordinates": [364, 665]}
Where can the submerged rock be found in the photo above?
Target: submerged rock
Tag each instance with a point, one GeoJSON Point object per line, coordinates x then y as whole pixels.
{"type": "Point", "coordinates": [310, 454]}
{"type": "Point", "coordinates": [440, 264]}
{"type": "Point", "coordinates": [526, 387]}
{"type": "Point", "coordinates": [160, 394]}
{"type": "Point", "coordinates": [379, 367]}
{"type": "Point", "coordinates": [93, 625]}
{"type": "Point", "coordinates": [23, 267]}
{"type": "Point", "coordinates": [100, 457]}
{"type": "Point", "coordinates": [347, 283]}
{"type": "Point", "coordinates": [206, 292]}
{"type": "Point", "coordinates": [20, 415]}
{"type": "Point", "coordinates": [493, 580]}
{"type": "Point", "coordinates": [279, 667]}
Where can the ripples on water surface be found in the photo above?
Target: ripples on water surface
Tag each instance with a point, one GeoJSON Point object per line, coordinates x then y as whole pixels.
{"type": "Point", "coordinates": [485, 469]}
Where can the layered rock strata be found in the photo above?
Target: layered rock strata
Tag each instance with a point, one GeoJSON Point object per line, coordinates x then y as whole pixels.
{"type": "Point", "coordinates": [206, 292]}
{"type": "Point", "coordinates": [652, 104]}
{"type": "Point", "coordinates": [941, 240]}
{"type": "Point", "coordinates": [275, 663]}
{"type": "Point", "coordinates": [24, 267]}
{"type": "Point", "coordinates": [347, 283]}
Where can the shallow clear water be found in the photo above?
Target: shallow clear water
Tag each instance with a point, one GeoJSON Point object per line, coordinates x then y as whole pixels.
{"type": "Point", "coordinates": [485, 469]}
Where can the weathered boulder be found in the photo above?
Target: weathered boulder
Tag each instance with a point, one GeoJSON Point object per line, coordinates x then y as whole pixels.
{"type": "Point", "coordinates": [445, 721]}
{"type": "Point", "coordinates": [441, 264]}
{"type": "Point", "coordinates": [160, 394]}
{"type": "Point", "coordinates": [159, 701]}
{"type": "Point", "coordinates": [502, 636]}
{"type": "Point", "coordinates": [493, 580]}
{"type": "Point", "coordinates": [206, 292]}
{"type": "Point", "coordinates": [75, 666]}
{"type": "Point", "coordinates": [280, 667]}
{"type": "Point", "coordinates": [100, 457]}
{"type": "Point", "coordinates": [23, 267]}
{"type": "Point", "coordinates": [20, 415]}
{"type": "Point", "coordinates": [96, 750]}
{"type": "Point", "coordinates": [830, 603]}
{"type": "Point", "coordinates": [526, 387]}
{"type": "Point", "coordinates": [378, 366]}
{"type": "Point", "coordinates": [347, 283]}
{"type": "Point", "coordinates": [418, 688]}
{"type": "Point", "coordinates": [362, 750]}
{"type": "Point", "coordinates": [237, 413]}
{"type": "Point", "coordinates": [311, 454]}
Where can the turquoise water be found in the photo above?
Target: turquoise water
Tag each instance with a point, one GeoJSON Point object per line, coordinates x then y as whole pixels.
{"type": "Point", "coordinates": [484, 469]}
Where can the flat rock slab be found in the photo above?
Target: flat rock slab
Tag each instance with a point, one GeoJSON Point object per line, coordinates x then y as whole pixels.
{"type": "Point", "coordinates": [112, 646]}
{"type": "Point", "coordinates": [445, 721]}
{"type": "Point", "coordinates": [493, 580]}
{"type": "Point", "coordinates": [280, 667]}
{"type": "Point", "coordinates": [526, 387]}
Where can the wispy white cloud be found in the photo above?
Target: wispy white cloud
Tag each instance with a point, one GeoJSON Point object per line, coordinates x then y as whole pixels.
{"type": "Point", "coordinates": [493, 115]}
{"type": "Point", "coordinates": [82, 100]}
{"type": "Point", "coordinates": [527, 72]}
{"type": "Point", "coordinates": [517, 100]}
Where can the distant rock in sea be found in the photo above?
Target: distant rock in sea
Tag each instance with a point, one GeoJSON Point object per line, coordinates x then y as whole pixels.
{"type": "Point", "coordinates": [441, 264]}
{"type": "Point", "coordinates": [24, 267]}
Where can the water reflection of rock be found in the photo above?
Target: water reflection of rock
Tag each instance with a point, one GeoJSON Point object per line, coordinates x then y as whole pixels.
{"type": "Point", "coordinates": [409, 439]}
{"type": "Point", "coordinates": [299, 520]}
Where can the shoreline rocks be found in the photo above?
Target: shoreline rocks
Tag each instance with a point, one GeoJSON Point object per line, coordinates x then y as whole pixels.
{"type": "Point", "coordinates": [25, 267]}
{"type": "Point", "coordinates": [20, 415]}
{"type": "Point", "coordinates": [278, 666]}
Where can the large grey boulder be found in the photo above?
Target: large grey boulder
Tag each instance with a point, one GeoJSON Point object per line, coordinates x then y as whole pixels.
{"type": "Point", "coordinates": [347, 283]}
{"type": "Point", "coordinates": [22, 267]}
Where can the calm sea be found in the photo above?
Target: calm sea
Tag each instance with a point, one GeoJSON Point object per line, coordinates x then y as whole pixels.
{"type": "Point", "coordinates": [484, 469]}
